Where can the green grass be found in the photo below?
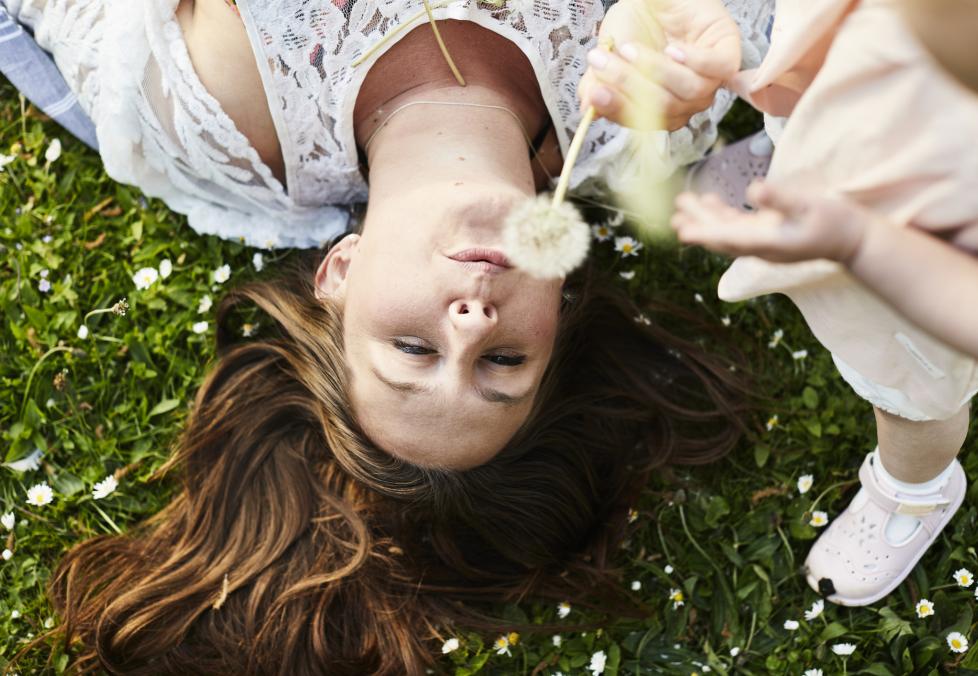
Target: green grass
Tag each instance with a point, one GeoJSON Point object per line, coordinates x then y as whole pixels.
{"type": "Point", "coordinates": [734, 534]}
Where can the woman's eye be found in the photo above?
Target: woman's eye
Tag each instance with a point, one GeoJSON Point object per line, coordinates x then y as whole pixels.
{"type": "Point", "coordinates": [411, 348]}
{"type": "Point", "coordinates": [505, 359]}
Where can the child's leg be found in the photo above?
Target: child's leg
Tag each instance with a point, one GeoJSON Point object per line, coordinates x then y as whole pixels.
{"type": "Point", "coordinates": [911, 487]}
{"type": "Point", "coordinates": [916, 452]}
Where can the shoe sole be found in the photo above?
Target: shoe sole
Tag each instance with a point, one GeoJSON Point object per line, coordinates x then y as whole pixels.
{"type": "Point", "coordinates": [868, 600]}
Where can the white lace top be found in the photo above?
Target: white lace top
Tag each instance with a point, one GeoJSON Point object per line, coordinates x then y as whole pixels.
{"type": "Point", "coordinates": [159, 128]}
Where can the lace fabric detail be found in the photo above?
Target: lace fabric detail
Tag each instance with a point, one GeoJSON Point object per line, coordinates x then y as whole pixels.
{"type": "Point", "coordinates": [161, 130]}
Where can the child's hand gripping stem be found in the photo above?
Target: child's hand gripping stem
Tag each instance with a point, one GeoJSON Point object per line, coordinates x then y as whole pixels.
{"type": "Point", "coordinates": [671, 55]}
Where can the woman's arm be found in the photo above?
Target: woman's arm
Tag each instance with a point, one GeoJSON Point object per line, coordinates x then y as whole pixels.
{"type": "Point", "coordinates": [923, 278]}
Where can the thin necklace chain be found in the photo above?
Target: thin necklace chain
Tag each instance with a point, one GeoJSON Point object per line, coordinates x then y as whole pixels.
{"type": "Point", "coordinates": [461, 104]}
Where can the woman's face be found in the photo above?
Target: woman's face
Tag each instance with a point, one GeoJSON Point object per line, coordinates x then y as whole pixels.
{"type": "Point", "coordinates": [446, 344]}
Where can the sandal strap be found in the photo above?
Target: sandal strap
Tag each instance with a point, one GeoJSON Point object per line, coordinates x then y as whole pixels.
{"type": "Point", "coordinates": [911, 505]}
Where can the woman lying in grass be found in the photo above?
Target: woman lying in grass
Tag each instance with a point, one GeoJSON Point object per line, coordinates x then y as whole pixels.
{"type": "Point", "coordinates": [424, 424]}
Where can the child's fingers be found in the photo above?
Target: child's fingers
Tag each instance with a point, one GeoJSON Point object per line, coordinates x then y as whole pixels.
{"type": "Point", "coordinates": [718, 62]}
{"type": "Point", "coordinates": [619, 75]}
{"type": "Point", "coordinates": [789, 201]}
{"type": "Point", "coordinates": [681, 81]}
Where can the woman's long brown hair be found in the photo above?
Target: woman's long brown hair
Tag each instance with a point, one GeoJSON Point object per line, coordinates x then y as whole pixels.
{"type": "Point", "coordinates": [294, 546]}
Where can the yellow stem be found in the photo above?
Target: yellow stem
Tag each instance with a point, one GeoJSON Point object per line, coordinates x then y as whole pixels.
{"type": "Point", "coordinates": [441, 44]}
{"type": "Point", "coordinates": [387, 38]}
{"type": "Point", "coordinates": [575, 149]}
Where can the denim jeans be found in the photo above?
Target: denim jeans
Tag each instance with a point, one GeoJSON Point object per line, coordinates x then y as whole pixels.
{"type": "Point", "coordinates": [32, 71]}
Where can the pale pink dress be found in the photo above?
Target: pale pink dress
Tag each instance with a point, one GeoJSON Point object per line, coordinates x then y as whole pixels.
{"type": "Point", "coordinates": [874, 118]}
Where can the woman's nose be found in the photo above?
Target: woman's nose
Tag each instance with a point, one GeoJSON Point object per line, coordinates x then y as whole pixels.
{"type": "Point", "coordinates": [472, 315]}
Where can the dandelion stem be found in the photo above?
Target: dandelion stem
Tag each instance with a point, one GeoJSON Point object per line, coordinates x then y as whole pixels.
{"type": "Point", "coordinates": [442, 46]}
{"type": "Point", "coordinates": [575, 149]}
{"type": "Point", "coordinates": [100, 311]}
{"type": "Point", "coordinates": [387, 38]}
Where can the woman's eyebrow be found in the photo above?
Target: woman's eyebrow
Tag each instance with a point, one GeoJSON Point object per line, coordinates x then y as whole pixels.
{"type": "Point", "coordinates": [488, 394]}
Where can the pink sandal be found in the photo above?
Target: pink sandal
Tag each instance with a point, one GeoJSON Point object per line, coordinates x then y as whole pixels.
{"type": "Point", "coordinates": [729, 170]}
{"type": "Point", "coordinates": [853, 563]}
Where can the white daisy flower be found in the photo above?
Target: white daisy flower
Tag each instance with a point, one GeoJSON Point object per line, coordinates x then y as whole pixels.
{"type": "Point", "coordinates": [627, 275]}
{"type": "Point", "coordinates": [27, 464]}
{"type": "Point", "coordinates": [39, 495]}
{"type": "Point", "coordinates": [677, 598]}
{"type": "Point", "coordinates": [643, 319]}
{"type": "Point", "coordinates": [636, 585]}
{"type": "Point", "coordinates": [83, 332]}
{"type": "Point", "coordinates": [799, 355]}
{"type": "Point", "coordinates": [105, 487]}
{"type": "Point", "coordinates": [547, 241]}
{"type": "Point", "coordinates": [815, 610]}
{"type": "Point", "coordinates": [205, 305]}
{"type": "Point", "coordinates": [776, 339]}
{"type": "Point", "coordinates": [44, 286]}
{"type": "Point", "coordinates": [791, 625]}
{"type": "Point", "coordinates": [844, 649]}
{"type": "Point", "coordinates": [627, 246]}
{"type": "Point", "coordinates": [957, 642]}
{"type": "Point", "coordinates": [698, 297]}
{"type": "Point", "coordinates": [772, 422]}
{"type": "Point", "coordinates": [248, 329]}
{"type": "Point", "coordinates": [563, 609]}
{"type": "Point", "coordinates": [632, 515]}
{"type": "Point", "coordinates": [449, 646]}
{"type": "Point", "coordinates": [14, 614]}
{"type": "Point", "coordinates": [668, 569]}
{"type": "Point", "coordinates": [734, 651]}
{"type": "Point", "coordinates": [813, 672]}
{"type": "Point", "coordinates": [8, 520]}
{"type": "Point", "coordinates": [258, 261]}
{"type": "Point", "coordinates": [602, 233]}
{"type": "Point", "coordinates": [222, 274]}
{"type": "Point", "coordinates": [501, 645]}
{"type": "Point", "coordinates": [53, 152]}
{"type": "Point", "coordinates": [145, 278]}
{"type": "Point", "coordinates": [166, 268]}
{"type": "Point", "coordinates": [598, 661]}
{"type": "Point", "coordinates": [819, 519]}
{"type": "Point", "coordinates": [7, 555]}
{"type": "Point", "coordinates": [805, 482]}
{"type": "Point", "coordinates": [924, 608]}
{"type": "Point", "coordinates": [5, 160]}
{"type": "Point", "coordinates": [726, 321]}
{"type": "Point", "coordinates": [199, 327]}
{"type": "Point", "coordinates": [964, 577]}
{"type": "Point", "coordinates": [556, 640]}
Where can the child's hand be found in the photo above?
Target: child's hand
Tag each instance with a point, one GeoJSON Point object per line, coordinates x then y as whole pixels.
{"type": "Point", "coordinates": [790, 225]}
{"type": "Point", "coordinates": [669, 58]}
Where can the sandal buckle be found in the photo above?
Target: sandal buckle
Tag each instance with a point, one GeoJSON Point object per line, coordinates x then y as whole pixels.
{"type": "Point", "coordinates": [911, 509]}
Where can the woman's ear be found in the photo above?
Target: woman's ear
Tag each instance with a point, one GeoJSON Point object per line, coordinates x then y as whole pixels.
{"type": "Point", "coordinates": [331, 275]}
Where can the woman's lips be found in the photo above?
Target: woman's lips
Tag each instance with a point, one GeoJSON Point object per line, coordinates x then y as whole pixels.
{"type": "Point", "coordinates": [482, 260]}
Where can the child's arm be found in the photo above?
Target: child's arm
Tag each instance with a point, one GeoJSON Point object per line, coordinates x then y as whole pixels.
{"type": "Point", "coordinates": [928, 281]}
{"type": "Point", "coordinates": [668, 59]}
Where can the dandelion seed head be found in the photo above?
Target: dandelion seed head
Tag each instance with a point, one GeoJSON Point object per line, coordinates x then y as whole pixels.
{"type": "Point", "coordinates": [121, 307]}
{"type": "Point", "coordinates": [547, 241]}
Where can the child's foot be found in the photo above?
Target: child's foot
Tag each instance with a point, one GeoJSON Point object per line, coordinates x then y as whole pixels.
{"type": "Point", "coordinates": [729, 170]}
{"type": "Point", "coordinates": [873, 545]}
